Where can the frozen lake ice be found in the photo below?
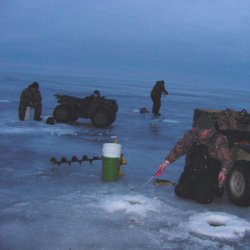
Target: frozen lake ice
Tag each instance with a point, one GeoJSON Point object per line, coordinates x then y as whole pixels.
{"type": "Point", "coordinates": [70, 207]}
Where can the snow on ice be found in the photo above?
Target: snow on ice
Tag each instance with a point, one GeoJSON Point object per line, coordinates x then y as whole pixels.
{"type": "Point", "coordinates": [219, 225]}
{"type": "Point", "coordinates": [131, 204]}
{"type": "Point", "coordinates": [73, 204]}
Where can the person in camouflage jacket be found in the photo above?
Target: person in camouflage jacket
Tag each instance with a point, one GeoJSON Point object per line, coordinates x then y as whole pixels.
{"type": "Point", "coordinates": [31, 97]}
{"type": "Point", "coordinates": [208, 162]}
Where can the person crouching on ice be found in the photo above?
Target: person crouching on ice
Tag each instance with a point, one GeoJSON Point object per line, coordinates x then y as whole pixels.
{"type": "Point", "coordinates": [31, 97]}
{"type": "Point", "coordinates": [208, 162]}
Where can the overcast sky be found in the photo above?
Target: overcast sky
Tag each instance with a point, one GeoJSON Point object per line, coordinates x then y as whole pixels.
{"type": "Point", "coordinates": [178, 40]}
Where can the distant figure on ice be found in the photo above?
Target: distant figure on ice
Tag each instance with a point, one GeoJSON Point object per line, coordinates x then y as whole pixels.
{"type": "Point", "coordinates": [96, 94]}
{"type": "Point", "coordinates": [208, 162]}
{"type": "Point", "coordinates": [31, 97]}
{"type": "Point", "coordinates": [156, 93]}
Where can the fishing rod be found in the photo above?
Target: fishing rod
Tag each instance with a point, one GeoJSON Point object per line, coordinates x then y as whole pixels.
{"type": "Point", "coordinates": [157, 181]}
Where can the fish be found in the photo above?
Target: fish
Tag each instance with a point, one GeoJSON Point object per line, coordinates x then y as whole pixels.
{"type": "Point", "coordinates": [164, 182]}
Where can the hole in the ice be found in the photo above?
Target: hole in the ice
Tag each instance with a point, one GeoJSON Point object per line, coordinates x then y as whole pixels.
{"type": "Point", "coordinates": [134, 202]}
{"type": "Point", "coordinates": [216, 223]}
{"type": "Point", "coordinates": [133, 221]}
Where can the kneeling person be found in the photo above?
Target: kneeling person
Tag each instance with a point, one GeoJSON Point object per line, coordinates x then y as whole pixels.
{"type": "Point", "coordinates": [208, 161]}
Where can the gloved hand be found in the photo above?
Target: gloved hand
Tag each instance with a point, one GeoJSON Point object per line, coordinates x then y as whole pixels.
{"type": "Point", "coordinates": [222, 177]}
{"type": "Point", "coordinates": [162, 168]}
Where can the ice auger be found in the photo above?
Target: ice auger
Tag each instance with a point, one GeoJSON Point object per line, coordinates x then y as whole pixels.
{"type": "Point", "coordinates": [74, 159]}
{"type": "Point", "coordinates": [84, 158]}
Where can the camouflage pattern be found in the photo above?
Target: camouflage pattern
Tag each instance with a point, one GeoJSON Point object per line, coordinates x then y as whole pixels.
{"type": "Point", "coordinates": [30, 97]}
{"type": "Point", "coordinates": [227, 120]}
{"type": "Point", "coordinates": [217, 144]}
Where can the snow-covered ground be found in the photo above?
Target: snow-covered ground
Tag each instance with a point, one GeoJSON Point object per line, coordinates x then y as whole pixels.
{"type": "Point", "coordinates": [70, 207]}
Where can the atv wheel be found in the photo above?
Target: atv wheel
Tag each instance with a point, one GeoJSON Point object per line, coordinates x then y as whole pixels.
{"type": "Point", "coordinates": [100, 119]}
{"type": "Point", "coordinates": [62, 113]}
{"type": "Point", "coordinates": [238, 185]}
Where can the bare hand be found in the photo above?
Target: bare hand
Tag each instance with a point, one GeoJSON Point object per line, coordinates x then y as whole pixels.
{"type": "Point", "coordinates": [161, 168]}
{"type": "Point", "coordinates": [221, 177]}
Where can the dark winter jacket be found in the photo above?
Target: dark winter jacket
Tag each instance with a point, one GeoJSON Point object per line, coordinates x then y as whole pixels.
{"type": "Point", "coordinates": [158, 89]}
{"type": "Point", "coordinates": [30, 97]}
{"type": "Point", "coordinates": [216, 143]}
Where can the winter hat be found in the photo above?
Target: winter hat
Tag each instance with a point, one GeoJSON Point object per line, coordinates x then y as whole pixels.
{"type": "Point", "coordinates": [160, 82]}
{"type": "Point", "coordinates": [96, 93]}
{"type": "Point", "coordinates": [35, 85]}
{"type": "Point", "coordinates": [204, 122]}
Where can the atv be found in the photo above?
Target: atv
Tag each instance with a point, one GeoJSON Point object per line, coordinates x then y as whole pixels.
{"type": "Point", "coordinates": [235, 125]}
{"type": "Point", "coordinates": [100, 110]}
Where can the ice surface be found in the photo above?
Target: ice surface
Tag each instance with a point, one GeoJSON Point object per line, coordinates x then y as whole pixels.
{"type": "Point", "coordinates": [131, 204]}
{"type": "Point", "coordinates": [70, 207]}
{"type": "Point", "coordinates": [219, 225]}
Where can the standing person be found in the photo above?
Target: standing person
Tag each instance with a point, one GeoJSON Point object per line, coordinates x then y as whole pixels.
{"type": "Point", "coordinates": [156, 93]}
{"type": "Point", "coordinates": [208, 162]}
{"type": "Point", "coordinates": [31, 97]}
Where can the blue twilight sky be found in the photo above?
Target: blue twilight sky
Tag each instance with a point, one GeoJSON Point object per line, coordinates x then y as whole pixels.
{"type": "Point", "coordinates": [177, 40]}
